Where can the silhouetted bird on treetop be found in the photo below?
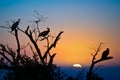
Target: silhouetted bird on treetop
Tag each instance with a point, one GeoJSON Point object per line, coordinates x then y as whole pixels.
{"type": "Point", "coordinates": [105, 53]}
{"type": "Point", "coordinates": [15, 25]}
{"type": "Point", "coordinates": [44, 33]}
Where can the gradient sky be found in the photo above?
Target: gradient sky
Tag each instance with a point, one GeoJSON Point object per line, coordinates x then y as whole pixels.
{"type": "Point", "coordinates": [85, 23]}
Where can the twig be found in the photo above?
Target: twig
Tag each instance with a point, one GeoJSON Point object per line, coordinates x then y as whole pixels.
{"type": "Point", "coordinates": [4, 27]}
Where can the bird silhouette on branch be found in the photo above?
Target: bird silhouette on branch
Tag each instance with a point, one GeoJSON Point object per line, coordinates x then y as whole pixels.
{"type": "Point", "coordinates": [15, 25]}
{"type": "Point", "coordinates": [104, 56]}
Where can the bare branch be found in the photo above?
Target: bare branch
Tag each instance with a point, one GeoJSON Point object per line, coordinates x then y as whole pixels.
{"type": "Point", "coordinates": [29, 34]}
{"type": "Point", "coordinates": [4, 27]}
{"type": "Point", "coordinates": [18, 45]}
{"type": "Point", "coordinates": [98, 49]}
{"type": "Point", "coordinates": [6, 58]}
{"type": "Point", "coordinates": [52, 45]}
{"type": "Point", "coordinates": [101, 59]}
{"type": "Point", "coordinates": [2, 52]}
{"type": "Point", "coordinates": [51, 59]}
{"type": "Point", "coordinates": [10, 52]}
{"type": "Point", "coordinates": [57, 38]}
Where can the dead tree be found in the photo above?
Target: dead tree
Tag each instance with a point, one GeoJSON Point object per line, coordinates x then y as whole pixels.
{"type": "Point", "coordinates": [30, 33]}
{"type": "Point", "coordinates": [6, 50]}
{"type": "Point", "coordinates": [15, 59]}
{"type": "Point", "coordinates": [90, 74]}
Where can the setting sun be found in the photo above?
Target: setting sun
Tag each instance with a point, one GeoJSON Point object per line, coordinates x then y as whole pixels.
{"type": "Point", "coordinates": [77, 66]}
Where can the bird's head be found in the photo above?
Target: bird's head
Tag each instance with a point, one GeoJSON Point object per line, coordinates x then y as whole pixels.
{"type": "Point", "coordinates": [18, 20]}
{"type": "Point", "coordinates": [48, 29]}
{"type": "Point", "coordinates": [107, 49]}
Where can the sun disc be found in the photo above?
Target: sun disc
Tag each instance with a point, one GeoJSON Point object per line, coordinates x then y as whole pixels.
{"type": "Point", "coordinates": [77, 65]}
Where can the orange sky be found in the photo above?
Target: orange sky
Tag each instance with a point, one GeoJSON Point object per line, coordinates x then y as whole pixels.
{"type": "Point", "coordinates": [85, 24]}
{"type": "Point", "coordinates": [78, 48]}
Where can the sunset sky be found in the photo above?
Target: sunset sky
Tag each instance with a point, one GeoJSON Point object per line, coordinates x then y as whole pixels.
{"type": "Point", "coordinates": [85, 23]}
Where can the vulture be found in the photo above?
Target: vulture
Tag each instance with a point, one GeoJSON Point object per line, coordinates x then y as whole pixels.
{"type": "Point", "coordinates": [15, 25]}
{"type": "Point", "coordinates": [44, 33]}
{"type": "Point", "coordinates": [105, 53]}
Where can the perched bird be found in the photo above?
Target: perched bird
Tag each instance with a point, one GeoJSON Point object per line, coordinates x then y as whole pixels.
{"type": "Point", "coordinates": [15, 25]}
{"type": "Point", "coordinates": [105, 53]}
{"type": "Point", "coordinates": [44, 33]}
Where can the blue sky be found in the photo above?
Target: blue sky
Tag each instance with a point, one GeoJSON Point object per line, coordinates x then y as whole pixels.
{"type": "Point", "coordinates": [104, 10]}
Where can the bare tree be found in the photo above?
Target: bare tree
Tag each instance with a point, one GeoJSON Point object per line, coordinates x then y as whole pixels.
{"type": "Point", "coordinates": [30, 33]}
{"type": "Point", "coordinates": [14, 59]}
{"type": "Point", "coordinates": [90, 74]}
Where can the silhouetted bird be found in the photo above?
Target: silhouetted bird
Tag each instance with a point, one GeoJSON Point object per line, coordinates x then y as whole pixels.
{"type": "Point", "coordinates": [44, 33]}
{"type": "Point", "coordinates": [15, 25]}
{"type": "Point", "coordinates": [105, 54]}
